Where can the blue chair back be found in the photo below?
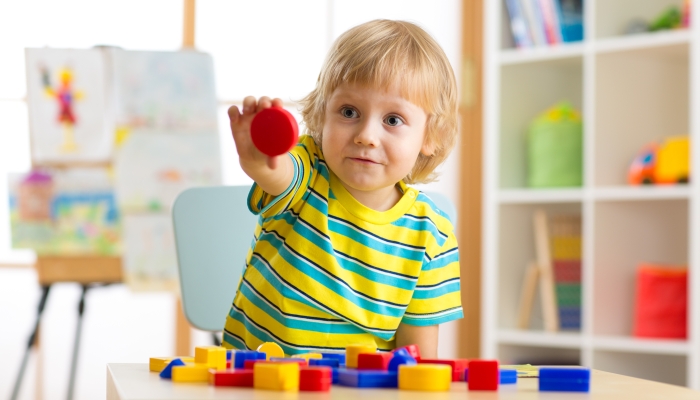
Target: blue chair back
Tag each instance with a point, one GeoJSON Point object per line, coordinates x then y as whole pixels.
{"type": "Point", "coordinates": [213, 232]}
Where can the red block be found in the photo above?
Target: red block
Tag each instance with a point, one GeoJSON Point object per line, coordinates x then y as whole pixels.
{"type": "Point", "coordinates": [567, 271]}
{"type": "Point", "coordinates": [483, 375]}
{"type": "Point", "coordinates": [248, 364]}
{"type": "Point", "coordinates": [661, 308]}
{"type": "Point", "coordinates": [458, 367]}
{"type": "Point", "coordinates": [413, 350]}
{"type": "Point", "coordinates": [228, 364]}
{"type": "Point", "coordinates": [232, 377]}
{"type": "Point", "coordinates": [315, 379]}
{"type": "Point", "coordinates": [378, 361]}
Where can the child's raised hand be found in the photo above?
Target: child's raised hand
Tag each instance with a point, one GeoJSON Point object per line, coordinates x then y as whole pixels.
{"type": "Point", "coordinates": [249, 156]}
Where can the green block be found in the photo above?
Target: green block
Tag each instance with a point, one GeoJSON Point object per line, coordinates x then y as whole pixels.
{"type": "Point", "coordinates": [568, 294]}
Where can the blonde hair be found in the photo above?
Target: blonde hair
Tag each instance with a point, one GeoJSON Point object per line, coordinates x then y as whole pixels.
{"type": "Point", "coordinates": [380, 53]}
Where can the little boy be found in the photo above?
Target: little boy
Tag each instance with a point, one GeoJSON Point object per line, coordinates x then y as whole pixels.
{"type": "Point", "coordinates": [345, 252]}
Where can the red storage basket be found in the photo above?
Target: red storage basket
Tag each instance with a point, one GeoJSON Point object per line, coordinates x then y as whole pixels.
{"type": "Point", "coordinates": [661, 307]}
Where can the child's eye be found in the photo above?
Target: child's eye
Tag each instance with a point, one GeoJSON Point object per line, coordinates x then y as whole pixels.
{"type": "Point", "coordinates": [393, 120]}
{"type": "Point", "coordinates": [348, 112]}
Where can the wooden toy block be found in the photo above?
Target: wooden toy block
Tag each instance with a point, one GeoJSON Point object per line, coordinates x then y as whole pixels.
{"type": "Point", "coordinates": [565, 380]}
{"type": "Point", "coordinates": [399, 359]}
{"type": "Point", "coordinates": [250, 364]}
{"type": "Point", "coordinates": [375, 361]}
{"type": "Point", "coordinates": [352, 351]}
{"type": "Point", "coordinates": [240, 356]}
{"type": "Point", "coordinates": [211, 356]}
{"type": "Point", "coordinates": [335, 356]}
{"type": "Point", "coordinates": [238, 377]}
{"type": "Point", "coordinates": [191, 373]}
{"type": "Point", "coordinates": [276, 376]}
{"type": "Point", "coordinates": [156, 364]}
{"type": "Point", "coordinates": [324, 362]}
{"type": "Point", "coordinates": [274, 131]}
{"type": "Point", "coordinates": [271, 349]}
{"type": "Point", "coordinates": [300, 361]}
{"type": "Point", "coordinates": [315, 379]}
{"type": "Point", "coordinates": [425, 377]}
{"type": "Point", "coordinates": [412, 349]}
{"type": "Point", "coordinates": [229, 354]}
{"type": "Point", "coordinates": [166, 373]}
{"type": "Point", "coordinates": [483, 375]}
{"type": "Point", "coordinates": [367, 379]}
{"type": "Point", "coordinates": [308, 356]}
{"type": "Point", "coordinates": [458, 366]}
{"type": "Point", "coordinates": [508, 376]}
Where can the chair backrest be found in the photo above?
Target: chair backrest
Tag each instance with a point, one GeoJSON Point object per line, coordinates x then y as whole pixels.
{"type": "Point", "coordinates": [213, 232]}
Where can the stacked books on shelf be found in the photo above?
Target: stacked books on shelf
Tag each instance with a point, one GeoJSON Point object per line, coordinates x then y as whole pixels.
{"type": "Point", "coordinates": [566, 260]}
{"type": "Point", "coordinates": [545, 22]}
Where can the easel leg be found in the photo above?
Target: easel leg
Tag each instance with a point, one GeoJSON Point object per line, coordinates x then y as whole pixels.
{"type": "Point", "coordinates": [76, 344]}
{"type": "Point", "coordinates": [183, 341]}
{"type": "Point", "coordinates": [30, 343]}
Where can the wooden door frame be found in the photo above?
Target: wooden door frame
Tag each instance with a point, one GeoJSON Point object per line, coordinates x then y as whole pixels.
{"type": "Point", "coordinates": [470, 193]}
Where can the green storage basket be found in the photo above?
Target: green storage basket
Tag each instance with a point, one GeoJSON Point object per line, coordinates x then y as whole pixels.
{"type": "Point", "coordinates": [555, 148]}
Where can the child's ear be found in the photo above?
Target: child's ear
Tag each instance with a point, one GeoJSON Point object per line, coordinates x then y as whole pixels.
{"type": "Point", "coordinates": [428, 147]}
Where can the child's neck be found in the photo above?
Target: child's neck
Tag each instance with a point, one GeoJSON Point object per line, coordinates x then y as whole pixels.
{"type": "Point", "coordinates": [379, 200]}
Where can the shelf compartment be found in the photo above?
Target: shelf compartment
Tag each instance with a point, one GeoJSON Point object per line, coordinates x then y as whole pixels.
{"type": "Point", "coordinates": [637, 345]}
{"type": "Point", "coordinates": [527, 90]}
{"type": "Point", "coordinates": [666, 368]}
{"type": "Point", "coordinates": [516, 249]}
{"type": "Point", "coordinates": [540, 338]}
{"type": "Point", "coordinates": [628, 233]}
{"type": "Point", "coordinates": [525, 196]}
{"type": "Point", "coordinates": [510, 354]}
{"type": "Point", "coordinates": [641, 96]}
{"type": "Point", "coordinates": [612, 16]}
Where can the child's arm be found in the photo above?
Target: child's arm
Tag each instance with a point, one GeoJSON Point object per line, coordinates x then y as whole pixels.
{"type": "Point", "coordinates": [425, 337]}
{"type": "Point", "coordinates": [272, 174]}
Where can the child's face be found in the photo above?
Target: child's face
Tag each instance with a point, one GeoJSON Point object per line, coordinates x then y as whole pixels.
{"type": "Point", "coordinates": [372, 138]}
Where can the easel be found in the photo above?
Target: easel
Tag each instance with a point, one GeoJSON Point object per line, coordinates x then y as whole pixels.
{"type": "Point", "coordinates": [92, 271]}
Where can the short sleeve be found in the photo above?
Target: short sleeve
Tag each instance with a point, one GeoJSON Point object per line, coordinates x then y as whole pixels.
{"type": "Point", "coordinates": [436, 298]}
{"type": "Point", "coordinates": [304, 158]}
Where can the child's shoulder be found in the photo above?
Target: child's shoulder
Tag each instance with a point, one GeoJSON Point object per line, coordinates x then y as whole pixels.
{"type": "Point", "coordinates": [426, 207]}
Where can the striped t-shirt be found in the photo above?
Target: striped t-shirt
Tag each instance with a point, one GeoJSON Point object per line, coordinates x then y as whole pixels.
{"type": "Point", "coordinates": [325, 271]}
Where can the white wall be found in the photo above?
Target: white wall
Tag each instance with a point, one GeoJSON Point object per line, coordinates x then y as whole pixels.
{"type": "Point", "coordinates": [273, 48]}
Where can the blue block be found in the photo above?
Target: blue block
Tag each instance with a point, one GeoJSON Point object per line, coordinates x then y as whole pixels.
{"type": "Point", "coordinates": [228, 354]}
{"type": "Point", "coordinates": [325, 362]}
{"type": "Point", "coordinates": [507, 376]}
{"type": "Point", "coordinates": [335, 356]}
{"type": "Point", "coordinates": [242, 355]}
{"type": "Point", "coordinates": [402, 352]}
{"type": "Point", "coordinates": [399, 359]}
{"type": "Point", "coordinates": [167, 372]}
{"type": "Point", "coordinates": [565, 379]}
{"type": "Point", "coordinates": [335, 375]}
{"type": "Point", "coordinates": [368, 379]}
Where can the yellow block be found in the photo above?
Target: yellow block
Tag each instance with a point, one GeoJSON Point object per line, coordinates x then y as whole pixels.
{"type": "Point", "coordinates": [272, 349]}
{"type": "Point", "coordinates": [566, 248]}
{"type": "Point", "coordinates": [191, 373]}
{"type": "Point", "coordinates": [276, 376]}
{"type": "Point", "coordinates": [157, 364]}
{"type": "Point", "coordinates": [352, 351]}
{"type": "Point", "coordinates": [211, 356]}
{"type": "Point", "coordinates": [425, 377]}
{"type": "Point", "coordinates": [308, 356]}
{"type": "Point", "coordinates": [673, 160]}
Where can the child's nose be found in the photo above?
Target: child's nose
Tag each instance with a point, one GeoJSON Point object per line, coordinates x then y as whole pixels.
{"type": "Point", "coordinates": [367, 135]}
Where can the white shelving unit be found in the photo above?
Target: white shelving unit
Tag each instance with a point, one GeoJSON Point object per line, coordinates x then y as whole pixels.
{"type": "Point", "coordinates": [631, 90]}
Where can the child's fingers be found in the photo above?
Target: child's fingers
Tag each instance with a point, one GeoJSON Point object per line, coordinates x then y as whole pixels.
{"type": "Point", "coordinates": [277, 102]}
{"type": "Point", "coordinates": [264, 103]}
{"type": "Point", "coordinates": [233, 114]}
{"type": "Point", "coordinates": [272, 162]}
{"type": "Point", "coordinates": [249, 105]}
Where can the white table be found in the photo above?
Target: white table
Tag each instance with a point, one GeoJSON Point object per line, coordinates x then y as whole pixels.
{"type": "Point", "coordinates": [136, 382]}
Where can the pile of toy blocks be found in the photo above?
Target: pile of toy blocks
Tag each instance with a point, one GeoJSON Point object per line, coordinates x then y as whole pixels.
{"type": "Point", "coordinates": [360, 366]}
{"type": "Point", "coordinates": [566, 258]}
